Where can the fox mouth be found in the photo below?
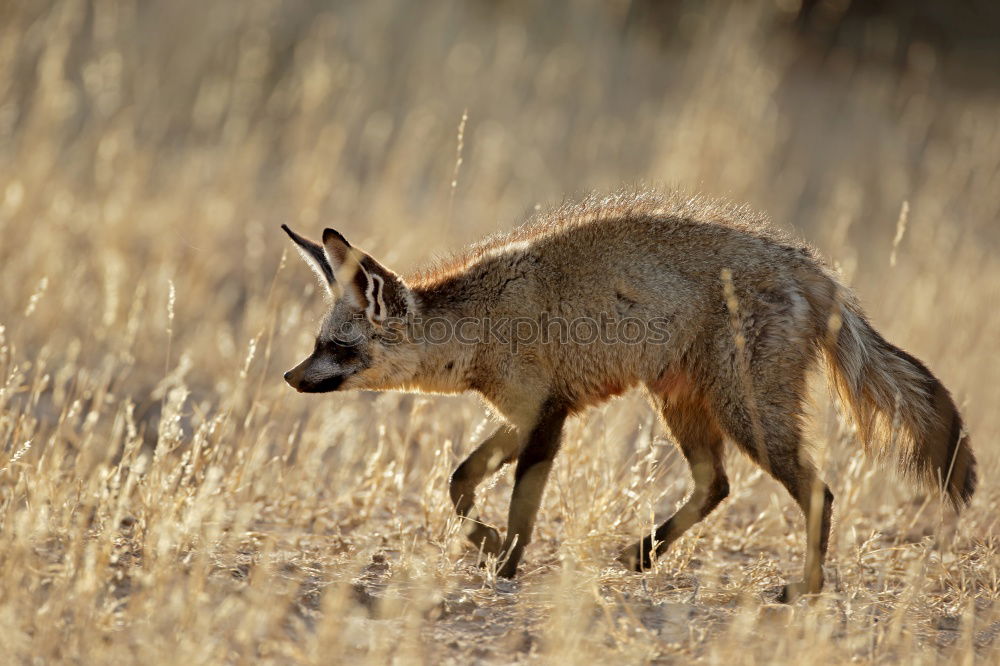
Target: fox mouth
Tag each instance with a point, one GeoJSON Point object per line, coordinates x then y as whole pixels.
{"type": "Point", "coordinates": [324, 386]}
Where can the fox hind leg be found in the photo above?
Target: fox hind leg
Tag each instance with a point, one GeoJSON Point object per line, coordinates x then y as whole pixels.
{"type": "Point", "coordinates": [816, 501]}
{"type": "Point", "coordinates": [772, 437]}
{"type": "Point", "coordinates": [701, 442]}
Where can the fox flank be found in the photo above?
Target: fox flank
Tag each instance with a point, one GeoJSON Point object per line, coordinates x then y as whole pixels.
{"type": "Point", "coordinates": [717, 316]}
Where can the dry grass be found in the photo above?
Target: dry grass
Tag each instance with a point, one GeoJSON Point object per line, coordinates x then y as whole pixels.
{"type": "Point", "coordinates": [179, 504]}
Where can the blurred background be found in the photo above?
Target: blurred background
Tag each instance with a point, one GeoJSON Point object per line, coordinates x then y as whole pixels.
{"type": "Point", "coordinates": [144, 143]}
{"type": "Point", "coordinates": [149, 302]}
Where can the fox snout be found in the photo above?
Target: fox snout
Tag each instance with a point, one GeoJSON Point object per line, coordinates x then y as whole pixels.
{"type": "Point", "coordinates": [305, 378]}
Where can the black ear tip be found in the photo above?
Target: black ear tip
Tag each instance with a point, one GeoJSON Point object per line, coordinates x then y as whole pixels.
{"type": "Point", "coordinates": [333, 234]}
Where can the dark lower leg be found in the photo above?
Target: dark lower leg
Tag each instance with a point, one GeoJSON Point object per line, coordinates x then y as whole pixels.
{"type": "Point", "coordinates": [711, 487]}
{"type": "Point", "coordinates": [701, 441]}
{"type": "Point", "coordinates": [532, 472]}
{"type": "Point", "coordinates": [488, 457]}
{"type": "Point", "coordinates": [524, 503]}
{"type": "Point", "coordinates": [816, 502]}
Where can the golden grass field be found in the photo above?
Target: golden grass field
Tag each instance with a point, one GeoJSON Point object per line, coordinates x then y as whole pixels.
{"type": "Point", "coordinates": [166, 499]}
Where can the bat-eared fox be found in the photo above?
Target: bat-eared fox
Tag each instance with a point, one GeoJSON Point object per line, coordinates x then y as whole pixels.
{"type": "Point", "coordinates": [715, 314]}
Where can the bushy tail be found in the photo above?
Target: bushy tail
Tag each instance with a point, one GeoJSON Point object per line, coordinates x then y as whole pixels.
{"type": "Point", "coordinates": [904, 414]}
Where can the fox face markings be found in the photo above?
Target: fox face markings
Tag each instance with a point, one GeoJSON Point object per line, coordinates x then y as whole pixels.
{"type": "Point", "coordinates": [343, 354]}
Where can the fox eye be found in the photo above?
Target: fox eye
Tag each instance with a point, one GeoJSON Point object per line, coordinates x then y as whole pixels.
{"type": "Point", "coordinates": [340, 352]}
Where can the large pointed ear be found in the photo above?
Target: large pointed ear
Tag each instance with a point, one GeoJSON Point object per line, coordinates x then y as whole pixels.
{"type": "Point", "coordinates": [368, 285]}
{"type": "Point", "coordinates": [314, 256]}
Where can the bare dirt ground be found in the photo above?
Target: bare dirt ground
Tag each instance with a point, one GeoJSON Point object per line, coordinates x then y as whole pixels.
{"type": "Point", "coordinates": [165, 498]}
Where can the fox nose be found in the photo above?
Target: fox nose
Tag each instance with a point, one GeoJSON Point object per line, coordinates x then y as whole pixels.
{"type": "Point", "coordinates": [290, 380]}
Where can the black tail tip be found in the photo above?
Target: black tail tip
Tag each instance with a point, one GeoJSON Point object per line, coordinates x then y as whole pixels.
{"type": "Point", "coordinates": [968, 488]}
{"type": "Point", "coordinates": [961, 490]}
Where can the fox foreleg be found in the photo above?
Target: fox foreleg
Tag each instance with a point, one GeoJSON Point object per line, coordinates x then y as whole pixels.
{"type": "Point", "coordinates": [496, 450]}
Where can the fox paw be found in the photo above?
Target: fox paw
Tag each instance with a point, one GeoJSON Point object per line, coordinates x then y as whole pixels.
{"type": "Point", "coordinates": [485, 538]}
{"type": "Point", "coordinates": [636, 558]}
{"type": "Point", "coordinates": [508, 570]}
{"type": "Point", "coordinates": [792, 592]}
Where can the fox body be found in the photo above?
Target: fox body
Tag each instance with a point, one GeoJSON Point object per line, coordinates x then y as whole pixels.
{"type": "Point", "coordinates": [716, 315]}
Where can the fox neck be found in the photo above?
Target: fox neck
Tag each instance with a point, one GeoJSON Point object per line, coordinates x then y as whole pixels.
{"type": "Point", "coordinates": [443, 368]}
{"type": "Point", "coordinates": [444, 365]}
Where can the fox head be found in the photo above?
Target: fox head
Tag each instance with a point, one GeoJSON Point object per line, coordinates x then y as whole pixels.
{"type": "Point", "coordinates": [363, 342]}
